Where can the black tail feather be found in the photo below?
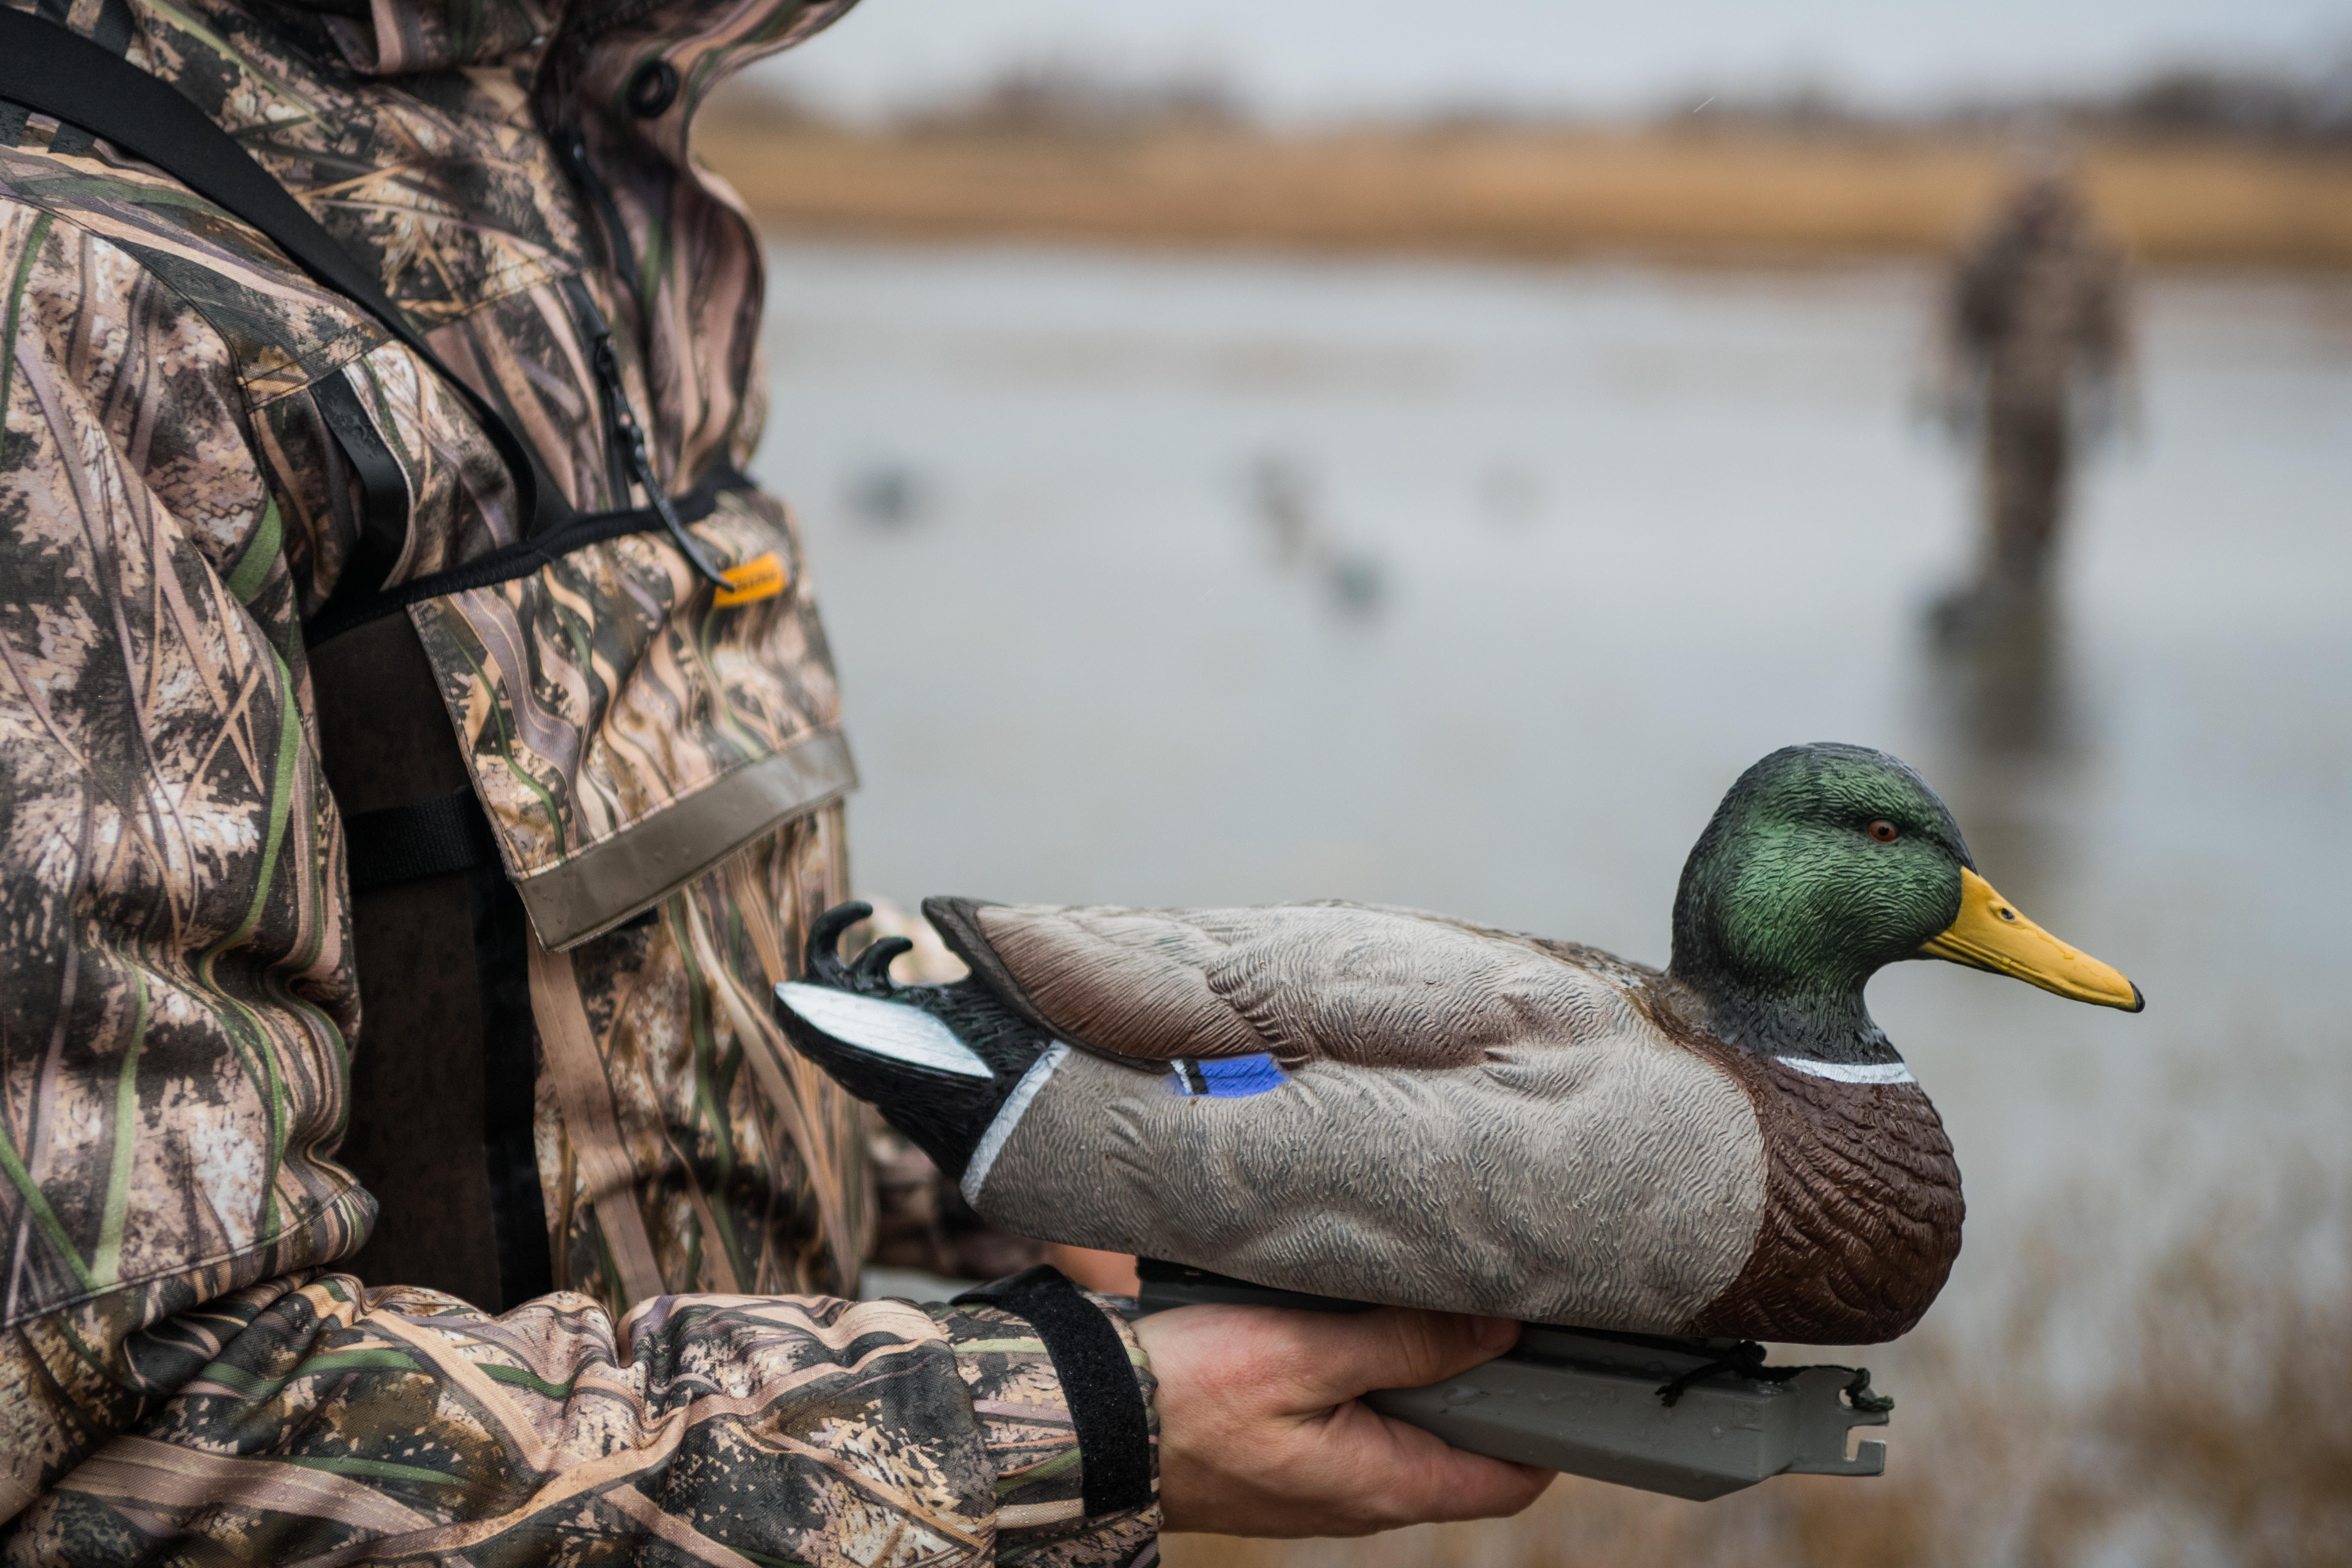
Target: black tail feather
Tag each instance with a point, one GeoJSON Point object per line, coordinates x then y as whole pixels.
{"type": "Point", "coordinates": [945, 1114]}
{"type": "Point", "coordinates": [826, 966]}
{"type": "Point", "coordinates": [873, 965]}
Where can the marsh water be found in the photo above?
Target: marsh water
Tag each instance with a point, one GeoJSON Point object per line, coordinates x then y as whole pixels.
{"type": "Point", "coordinates": [1170, 581]}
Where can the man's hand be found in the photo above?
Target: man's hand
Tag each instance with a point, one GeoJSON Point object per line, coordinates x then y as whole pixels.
{"type": "Point", "coordinates": [1261, 1432]}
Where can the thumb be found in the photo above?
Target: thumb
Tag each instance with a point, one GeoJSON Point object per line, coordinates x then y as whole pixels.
{"type": "Point", "coordinates": [1398, 1347]}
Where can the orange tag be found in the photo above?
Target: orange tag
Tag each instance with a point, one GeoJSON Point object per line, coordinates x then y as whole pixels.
{"type": "Point", "coordinates": [762, 577]}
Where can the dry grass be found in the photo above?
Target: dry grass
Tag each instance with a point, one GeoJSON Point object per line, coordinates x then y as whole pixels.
{"type": "Point", "coordinates": [1525, 193]}
{"type": "Point", "coordinates": [2238, 1417]}
{"type": "Point", "coordinates": [2222, 1437]}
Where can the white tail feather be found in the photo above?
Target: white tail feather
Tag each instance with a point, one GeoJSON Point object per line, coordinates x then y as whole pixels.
{"type": "Point", "coordinates": [890, 1029]}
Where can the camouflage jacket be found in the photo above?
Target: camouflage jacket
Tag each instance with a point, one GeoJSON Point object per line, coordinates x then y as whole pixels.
{"type": "Point", "coordinates": [185, 1374]}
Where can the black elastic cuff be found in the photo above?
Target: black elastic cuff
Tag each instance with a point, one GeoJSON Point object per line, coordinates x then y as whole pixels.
{"type": "Point", "coordinates": [1098, 1382]}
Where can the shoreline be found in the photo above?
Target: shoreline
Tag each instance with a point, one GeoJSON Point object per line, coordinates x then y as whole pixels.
{"type": "Point", "coordinates": [1530, 195]}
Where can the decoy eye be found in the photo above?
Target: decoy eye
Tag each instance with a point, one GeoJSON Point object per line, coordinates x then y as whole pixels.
{"type": "Point", "coordinates": [1882, 831]}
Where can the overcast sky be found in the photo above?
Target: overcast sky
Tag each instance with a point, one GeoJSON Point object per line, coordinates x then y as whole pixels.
{"type": "Point", "coordinates": [1305, 59]}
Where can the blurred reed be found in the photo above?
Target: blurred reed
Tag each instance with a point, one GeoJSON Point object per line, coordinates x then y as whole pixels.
{"type": "Point", "coordinates": [1526, 192]}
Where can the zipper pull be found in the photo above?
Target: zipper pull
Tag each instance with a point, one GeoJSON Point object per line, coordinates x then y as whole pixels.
{"type": "Point", "coordinates": [631, 439]}
{"type": "Point", "coordinates": [688, 544]}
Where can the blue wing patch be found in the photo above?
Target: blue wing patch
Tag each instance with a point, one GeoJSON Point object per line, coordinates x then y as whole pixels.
{"type": "Point", "coordinates": [1225, 1078]}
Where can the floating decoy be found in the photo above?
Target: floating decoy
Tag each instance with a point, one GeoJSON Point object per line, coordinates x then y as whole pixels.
{"type": "Point", "coordinates": [1388, 1105]}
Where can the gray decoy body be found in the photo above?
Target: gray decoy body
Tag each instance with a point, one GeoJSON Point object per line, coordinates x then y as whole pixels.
{"type": "Point", "coordinates": [1394, 1106]}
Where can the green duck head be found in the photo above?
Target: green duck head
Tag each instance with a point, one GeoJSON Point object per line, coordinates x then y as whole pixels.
{"type": "Point", "coordinates": [1823, 864]}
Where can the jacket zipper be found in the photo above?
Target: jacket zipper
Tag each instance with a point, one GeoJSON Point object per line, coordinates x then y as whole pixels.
{"type": "Point", "coordinates": [625, 440]}
{"type": "Point", "coordinates": [617, 424]}
{"type": "Point", "coordinates": [573, 151]}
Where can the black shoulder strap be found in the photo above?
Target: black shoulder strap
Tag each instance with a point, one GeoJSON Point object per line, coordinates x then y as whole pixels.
{"type": "Point", "coordinates": [46, 68]}
{"type": "Point", "coordinates": [524, 556]}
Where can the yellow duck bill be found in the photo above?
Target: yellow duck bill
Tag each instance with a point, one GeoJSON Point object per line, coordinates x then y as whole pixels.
{"type": "Point", "coordinates": [1989, 933]}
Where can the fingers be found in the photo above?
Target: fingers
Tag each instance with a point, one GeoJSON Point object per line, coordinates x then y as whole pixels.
{"type": "Point", "coordinates": [1362, 1473]}
{"type": "Point", "coordinates": [1406, 1476]}
{"type": "Point", "coordinates": [1341, 1357]}
{"type": "Point", "coordinates": [1461, 1486]}
{"type": "Point", "coordinates": [1496, 1490]}
{"type": "Point", "coordinates": [1262, 1433]}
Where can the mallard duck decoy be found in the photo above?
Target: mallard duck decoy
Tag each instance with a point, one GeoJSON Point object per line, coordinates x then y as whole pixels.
{"type": "Point", "coordinates": [1393, 1106]}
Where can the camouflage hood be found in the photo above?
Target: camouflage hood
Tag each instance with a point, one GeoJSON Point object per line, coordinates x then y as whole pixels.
{"type": "Point", "coordinates": [397, 38]}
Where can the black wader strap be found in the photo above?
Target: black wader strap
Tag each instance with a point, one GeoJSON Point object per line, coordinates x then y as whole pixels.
{"type": "Point", "coordinates": [1098, 1384]}
{"type": "Point", "coordinates": [428, 838]}
{"type": "Point", "coordinates": [383, 488]}
{"type": "Point", "coordinates": [112, 32]}
{"type": "Point", "coordinates": [344, 611]}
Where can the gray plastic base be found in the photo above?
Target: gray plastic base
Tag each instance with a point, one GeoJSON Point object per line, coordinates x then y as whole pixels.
{"type": "Point", "coordinates": [1589, 1406]}
{"type": "Point", "coordinates": [1589, 1403]}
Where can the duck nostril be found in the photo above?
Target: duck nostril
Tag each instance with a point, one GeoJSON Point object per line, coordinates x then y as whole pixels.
{"type": "Point", "coordinates": [2007, 913]}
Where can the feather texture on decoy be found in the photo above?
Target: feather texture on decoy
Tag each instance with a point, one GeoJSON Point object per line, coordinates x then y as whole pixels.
{"type": "Point", "coordinates": [1397, 1105]}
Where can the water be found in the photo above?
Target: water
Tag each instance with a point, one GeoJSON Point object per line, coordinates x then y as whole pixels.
{"type": "Point", "coordinates": [1567, 549]}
